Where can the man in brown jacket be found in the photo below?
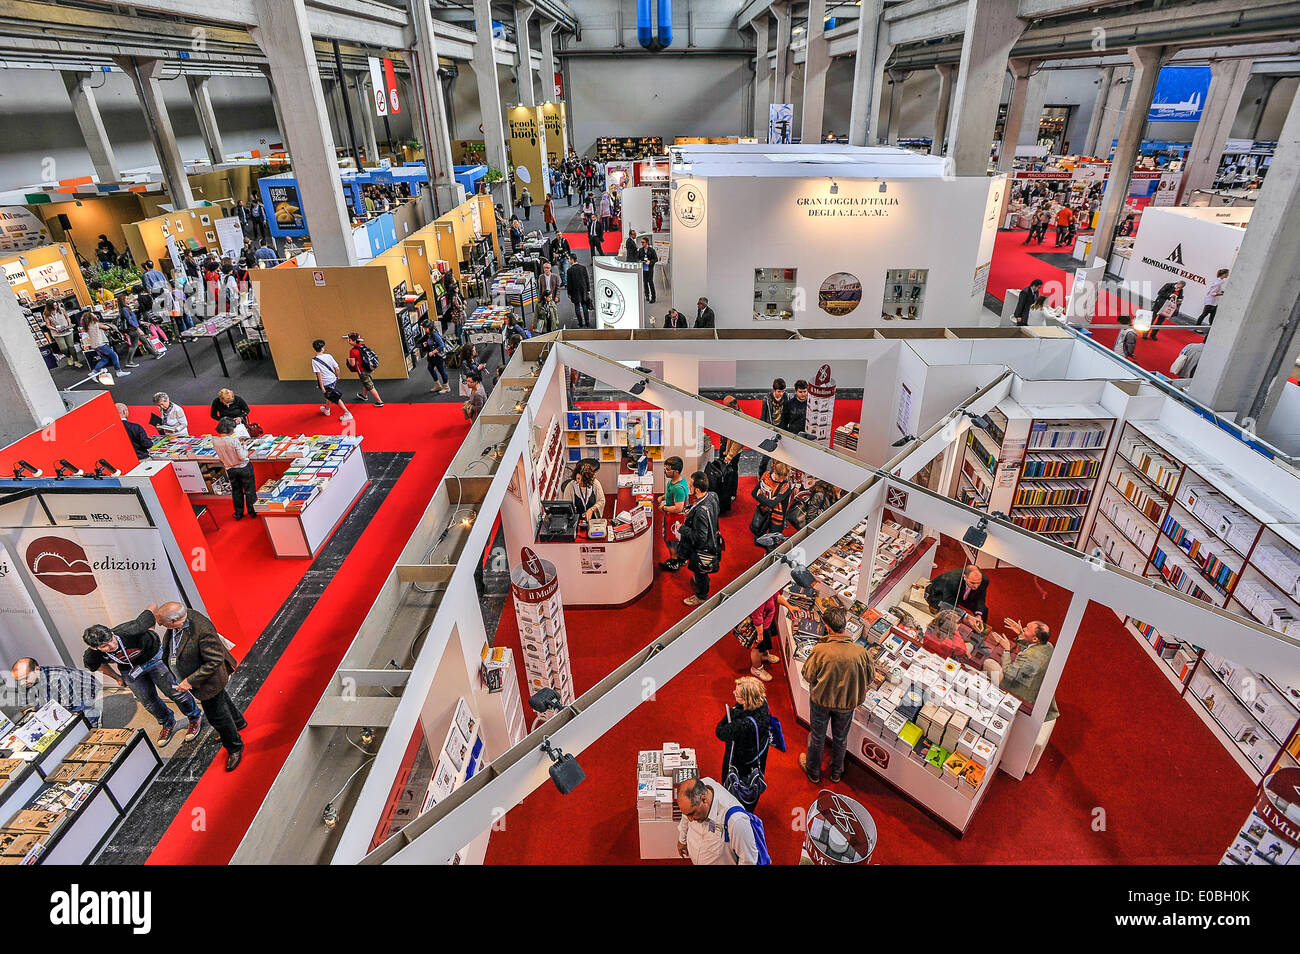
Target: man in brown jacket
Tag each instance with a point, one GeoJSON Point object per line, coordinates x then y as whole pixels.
{"type": "Point", "coordinates": [202, 664]}
{"type": "Point", "coordinates": [839, 676]}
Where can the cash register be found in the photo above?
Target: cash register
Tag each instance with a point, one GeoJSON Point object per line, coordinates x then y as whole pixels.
{"type": "Point", "coordinates": [559, 522]}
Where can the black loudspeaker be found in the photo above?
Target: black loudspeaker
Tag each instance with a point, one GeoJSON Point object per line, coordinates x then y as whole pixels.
{"type": "Point", "coordinates": [65, 223]}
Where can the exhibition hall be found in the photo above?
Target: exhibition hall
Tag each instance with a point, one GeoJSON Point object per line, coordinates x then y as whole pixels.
{"type": "Point", "coordinates": [883, 446]}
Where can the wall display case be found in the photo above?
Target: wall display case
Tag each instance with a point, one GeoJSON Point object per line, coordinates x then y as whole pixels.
{"type": "Point", "coordinates": [1170, 514]}
{"type": "Point", "coordinates": [774, 293]}
{"type": "Point", "coordinates": [606, 434]}
{"type": "Point", "coordinates": [904, 293]}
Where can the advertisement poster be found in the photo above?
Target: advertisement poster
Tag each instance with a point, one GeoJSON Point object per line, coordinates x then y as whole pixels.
{"type": "Point", "coordinates": [592, 560]}
{"type": "Point", "coordinates": [1180, 94]}
{"type": "Point", "coordinates": [377, 88]}
{"type": "Point", "coordinates": [44, 276]}
{"type": "Point", "coordinates": [780, 122]}
{"type": "Point", "coordinates": [230, 236]}
{"type": "Point", "coordinates": [528, 150]}
{"type": "Point", "coordinates": [22, 631]}
{"type": "Point", "coordinates": [96, 510]}
{"type": "Point", "coordinates": [91, 576]}
{"type": "Point", "coordinates": [557, 133]}
{"type": "Point", "coordinates": [286, 210]}
{"type": "Point", "coordinates": [20, 230]}
{"type": "Point", "coordinates": [390, 87]}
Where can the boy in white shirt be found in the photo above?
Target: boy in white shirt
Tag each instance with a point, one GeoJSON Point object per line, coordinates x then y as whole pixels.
{"type": "Point", "coordinates": [327, 377]}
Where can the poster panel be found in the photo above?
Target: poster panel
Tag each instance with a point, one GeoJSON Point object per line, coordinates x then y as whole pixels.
{"type": "Point", "coordinates": [21, 230]}
{"type": "Point", "coordinates": [378, 90]}
{"type": "Point", "coordinates": [22, 631]}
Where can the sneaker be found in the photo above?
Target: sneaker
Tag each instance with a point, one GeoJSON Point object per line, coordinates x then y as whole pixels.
{"type": "Point", "coordinates": [239, 516]}
{"type": "Point", "coordinates": [192, 731]}
{"type": "Point", "coordinates": [836, 776]}
{"type": "Point", "coordinates": [133, 364]}
{"type": "Point", "coordinates": [379, 404]}
{"type": "Point", "coordinates": [123, 374]}
{"type": "Point", "coordinates": [771, 657]}
{"type": "Point", "coordinates": [325, 409]}
{"type": "Point", "coordinates": [670, 566]}
{"type": "Point", "coordinates": [164, 736]}
{"type": "Point", "coordinates": [361, 396]}
{"type": "Point", "coordinates": [761, 674]}
{"type": "Point", "coordinates": [803, 764]}
{"type": "Point", "coordinates": [692, 600]}
{"type": "Point", "coordinates": [345, 418]}
{"type": "Point", "coordinates": [253, 514]}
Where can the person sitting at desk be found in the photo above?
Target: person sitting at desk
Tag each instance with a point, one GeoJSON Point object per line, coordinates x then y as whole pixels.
{"type": "Point", "coordinates": [964, 589]}
{"type": "Point", "coordinates": [1023, 675]}
{"type": "Point", "coordinates": [943, 636]}
{"type": "Point", "coordinates": [585, 491]}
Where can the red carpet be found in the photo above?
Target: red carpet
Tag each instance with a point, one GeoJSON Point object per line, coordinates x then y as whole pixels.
{"type": "Point", "coordinates": [1168, 790]}
{"type": "Point", "coordinates": [613, 241]}
{"type": "Point", "coordinates": [259, 583]}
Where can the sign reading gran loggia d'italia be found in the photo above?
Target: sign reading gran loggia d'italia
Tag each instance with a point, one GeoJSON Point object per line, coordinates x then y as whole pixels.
{"type": "Point", "coordinates": [847, 205]}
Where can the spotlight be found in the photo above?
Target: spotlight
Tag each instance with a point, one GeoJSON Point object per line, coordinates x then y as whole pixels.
{"type": "Point", "coordinates": [808, 436]}
{"type": "Point", "coordinates": [803, 579]}
{"type": "Point", "coordinates": [330, 816]}
{"type": "Point", "coordinates": [904, 440]}
{"type": "Point", "coordinates": [770, 541]}
{"type": "Point", "coordinates": [835, 187]}
{"type": "Point", "coordinates": [769, 445]}
{"type": "Point", "coordinates": [64, 468]}
{"type": "Point", "coordinates": [367, 736]}
{"type": "Point", "coordinates": [104, 469]}
{"type": "Point", "coordinates": [640, 370]}
{"type": "Point", "coordinates": [545, 700]}
{"type": "Point", "coordinates": [884, 187]}
{"type": "Point", "coordinates": [979, 420]}
{"type": "Point", "coordinates": [566, 773]}
{"type": "Point", "coordinates": [22, 469]}
{"type": "Point", "coordinates": [639, 386]}
{"type": "Point", "coordinates": [1142, 320]}
{"type": "Point", "coordinates": [105, 378]}
{"type": "Point", "coordinates": [977, 534]}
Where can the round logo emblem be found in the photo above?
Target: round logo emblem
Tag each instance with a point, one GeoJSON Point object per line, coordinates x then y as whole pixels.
{"type": "Point", "coordinates": [840, 294]}
{"type": "Point", "coordinates": [688, 204]}
{"type": "Point", "coordinates": [610, 304]}
{"type": "Point", "coordinates": [62, 565]}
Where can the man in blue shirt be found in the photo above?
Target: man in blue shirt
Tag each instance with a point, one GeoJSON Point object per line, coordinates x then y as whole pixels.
{"type": "Point", "coordinates": [75, 689]}
{"type": "Point", "coordinates": [154, 280]}
{"type": "Point", "coordinates": [267, 254]}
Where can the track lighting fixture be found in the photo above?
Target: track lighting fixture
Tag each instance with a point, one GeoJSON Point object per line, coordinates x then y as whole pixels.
{"type": "Point", "coordinates": [64, 468]}
{"type": "Point", "coordinates": [770, 444]}
{"type": "Point", "coordinates": [978, 534]}
{"type": "Point", "coordinates": [23, 469]}
{"type": "Point", "coordinates": [904, 440]}
{"type": "Point", "coordinates": [566, 773]}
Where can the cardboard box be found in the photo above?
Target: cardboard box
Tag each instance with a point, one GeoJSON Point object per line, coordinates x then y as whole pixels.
{"type": "Point", "coordinates": [996, 730]}
{"type": "Point", "coordinates": [982, 752]}
{"type": "Point", "coordinates": [966, 744]}
{"type": "Point", "coordinates": [1008, 708]}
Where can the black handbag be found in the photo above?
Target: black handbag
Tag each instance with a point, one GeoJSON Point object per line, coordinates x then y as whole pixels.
{"type": "Point", "coordinates": [752, 784]}
{"type": "Point", "coordinates": [758, 522]}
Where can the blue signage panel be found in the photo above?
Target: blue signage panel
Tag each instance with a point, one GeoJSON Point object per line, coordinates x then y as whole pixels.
{"type": "Point", "coordinates": [1180, 94]}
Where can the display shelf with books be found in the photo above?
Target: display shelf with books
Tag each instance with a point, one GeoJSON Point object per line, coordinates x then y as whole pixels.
{"type": "Point", "coordinates": [1174, 514]}
{"type": "Point", "coordinates": [659, 773]}
{"type": "Point", "coordinates": [603, 434]}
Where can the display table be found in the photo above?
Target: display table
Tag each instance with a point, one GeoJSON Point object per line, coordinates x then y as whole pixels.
{"type": "Point", "coordinates": [19, 782]}
{"type": "Point", "coordinates": [211, 329]}
{"type": "Point", "coordinates": [658, 774]}
{"type": "Point", "coordinates": [306, 484]}
{"type": "Point", "coordinates": [604, 572]}
{"type": "Point", "coordinates": [879, 746]}
{"type": "Point", "coordinates": [487, 324]}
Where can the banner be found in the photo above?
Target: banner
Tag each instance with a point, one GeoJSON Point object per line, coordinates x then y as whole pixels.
{"type": "Point", "coordinates": [378, 89]}
{"type": "Point", "coordinates": [22, 631]}
{"type": "Point", "coordinates": [20, 230]}
{"type": "Point", "coordinates": [390, 87]}
{"type": "Point", "coordinates": [780, 122]}
{"type": "Point", "coordinates": [285, 210]}
{"type": "Point", "coordinates": [1180, 94]}
{"type": "Point", "coordinates": [527, 146]}
{"type": "Point", "coordinates": [230, 236]}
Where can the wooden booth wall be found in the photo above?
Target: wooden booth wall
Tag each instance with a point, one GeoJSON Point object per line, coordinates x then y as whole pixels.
{"type": "Point", "coordinates": [148, 242]}
{"type": "Point", "coordinates": [296, 310]}
{"type": "Point", "coordinates": [35, 258]}
{"type": "Point", "coordinates": [90, 218]}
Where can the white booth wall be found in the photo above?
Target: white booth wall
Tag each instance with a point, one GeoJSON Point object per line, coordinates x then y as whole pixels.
{"type": "Point", "coordinates": [1182, 244]}
{"type": "Point", "coordinates": [946, 226]}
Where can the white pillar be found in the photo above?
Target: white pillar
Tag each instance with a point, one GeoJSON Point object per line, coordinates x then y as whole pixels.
{"type": "Point", "coordinates": [146, 77]}
{"type": "Point", "coordinates": [946, 73]}
{"type": "Point", "coordinates": [27, 392]}
{"type": "Point", "coordinates": [1246, 346]}
{"type": "Point", "coordinates": [817, 61]}
{"type": "Point", "coordinates": [280, 30]}
{"type": "Point", "coordinates": [489, 100]}
{"type": "Point", "coordinates": [868, 74]}
{"type": "Point", "coordinates": [93, 132]}
{"type": "Point", "coordinates": [1021, 71]}
{"type": "Point", "coordinates": [1108, 129]}
{"type": "Point", "coordinates": [784, 15]}
{"type": "Point", "coordinates": [546, 33]}
{"type": "Point", "coordinates": [431, 111]}
{"type": "Point", "coordinates": [275, 107]}
{"type": "Point", "coordinates": [992, 29]}
{"type": "Point", "coordinates": [897, 81]}
{"type": "Point", "coordinates": [1146, 70]}
{"type": "Point", "coordinates": [1228, 80]}
{"type": "Point", "coordinates": [208, 129]}
{"type": "Point", "coordinates": [1035, 100]}
{"type": "Point", "coordinates": [1105, 77]}
{"type": "Point", "coordinates": [762, 76]}
{"type": "Point", "coordinates": [524, 53]}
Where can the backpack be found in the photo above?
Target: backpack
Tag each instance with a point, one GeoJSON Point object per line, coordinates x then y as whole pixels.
{"type": "Point", "coordinates": [760, 837]}
{"type": "Point", "coordinates": [369, 360]}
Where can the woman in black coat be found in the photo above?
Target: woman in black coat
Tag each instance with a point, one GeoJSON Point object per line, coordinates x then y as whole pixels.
{"type": "Point", "coordinates": [746, 729]}
{"type": "Point", "coordinates": [1167, 291]}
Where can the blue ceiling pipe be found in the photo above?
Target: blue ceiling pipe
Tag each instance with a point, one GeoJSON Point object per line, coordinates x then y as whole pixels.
{"type": "Point", "coordinates": [645, 34]}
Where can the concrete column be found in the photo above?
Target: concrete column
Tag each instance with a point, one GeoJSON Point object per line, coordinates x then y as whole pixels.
{"type": "Point", "coordinates": [947, 71]}
{"type": "Point", "coordinates": [280, 30]}
{"type": "Point", "coordinates": [365, 105]}
{"type": "Point", "coordinates": [86, 109]}
{"type": "Point", "coordinates": [1021, 71]}
{"type": "Point", "coordinates": [275, 107]}
{"type": "Point", "coordinates": [1105, 78]}
{"type": "Point", "coordinates": [524, 53]}
{"type": "Point", "coordinates": [868, 74]}
{"type": "Point", "coordinates": [546, 34]}
{"type": "Point", "coordinates": [146, 76]}
{"type": "Point", "coordinates": [27, 392]}
{"type": "Point", "coordinates": [781, 75]}
{"type": "Point", "coordinates": [762, 76]}
{"type": "Point", "coordinates": [816, 64]}
{"type": "Point", "coordinates": [896, 80]}
{"type": "Point", "coordinates": [489, 100]}
{"type": "Point", "coordinates": [1146, 70]}
{"type": "Point", "coordinates": [431, 111]}
{"type": "Point", "coordinates": [1035, 100]}
{"type": "Point", "coordinates": [1258, 92]}
{"type": "Point", "coordinates": [1108, 129]}
{"type": "Point", "coordinates": [208, 129]}
{"type": "Point", "coordinates": [1251, 344]}
{"type": "Point", "coordinates": [992, 29]}
{"type": "Point", "coordinates": [1228, 80]}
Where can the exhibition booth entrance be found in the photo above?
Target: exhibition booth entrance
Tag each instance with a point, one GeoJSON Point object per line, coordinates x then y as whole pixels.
{"type": "Point", "coordinates": [1008, 643]}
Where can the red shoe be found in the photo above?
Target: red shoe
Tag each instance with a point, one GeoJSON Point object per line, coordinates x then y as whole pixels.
{"type": "Point", "coordinates": [193, 731]}
{"type": "Point", "coordinates": [164, 736]}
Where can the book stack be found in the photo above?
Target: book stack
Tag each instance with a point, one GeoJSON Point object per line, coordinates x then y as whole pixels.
{"type": "Point", "coordinates": [1137, 492]}
{"type": "Point", "coordinates": [1062, 493]}
{"type": "Point", "coordinates": [1061, 465]}
{"type": "Point", "coordinates": [1160, 469]}
{"type": "Point", "coordinates": [846, 437]}
{"type": "Point", "coordinates": [1046, 520]}
{"type": "Point", "coordinates": [659, 773]}
{"type": "Point", "coordinates": [1268, 606]}
{"type": "Point", "coordinates": [1280, 567]}
{"type": "Point", "coordinates": [1044, 435]}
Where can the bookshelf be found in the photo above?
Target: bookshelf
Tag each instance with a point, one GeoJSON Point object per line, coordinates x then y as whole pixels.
{"type": "Point", "coordinates": [604, 434]}
{"type": "Point", "coordinates": [1171, 515]}
{"type": "Point", "coordinates": [1039, 464]}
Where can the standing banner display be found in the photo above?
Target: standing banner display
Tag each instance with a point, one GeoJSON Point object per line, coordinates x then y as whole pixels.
{"type": "Point", "coordinates": [1173, 245]}
{"type": "Point", "coordinates": [780, 122]}
{"type": "Point", "coordinates": [378, 87]}
{"type": "Point", "coordinates": [539, 611]}
{"type": "Point", "coordinates": [230, 236]}
{"type": "Point", "coordinates": [528, 153]}
{"type": "Point", "coordinates": [20, 230]}
{"type": "Point", "coordinates": [390, 87]}
{"type": "Point", "coordinates": [1271, 834]}
{"type": "Point", "coordinates": [618, 296]}
{"type": "Point", "coordinates": [840, 832]}
{"type": "Point", "coordinates": [821, 406]}
{"type": "Point", "coordinates": [557, 133]}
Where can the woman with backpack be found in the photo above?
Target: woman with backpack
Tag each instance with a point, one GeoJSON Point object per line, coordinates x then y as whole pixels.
{"type": "Point", "coordinates": [363, 361]}
{"type": "Point", "coordinates": [746, 730]}
{"type": "Point", "coordinates": [772, 496]}
{"type": "Point", "coordinates": [433, 347]}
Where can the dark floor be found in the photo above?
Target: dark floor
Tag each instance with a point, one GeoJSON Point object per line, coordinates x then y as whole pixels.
{"type": "Point", "coordinates": [152, 815]}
